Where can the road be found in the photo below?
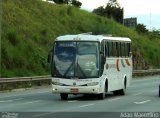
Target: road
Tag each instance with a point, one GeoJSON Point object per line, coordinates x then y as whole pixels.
{"type": "Point", "coordinates": [141, 96]}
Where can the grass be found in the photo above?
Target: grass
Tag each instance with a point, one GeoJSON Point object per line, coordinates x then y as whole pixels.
{"type": "Point", "coordinates": [29, 28]}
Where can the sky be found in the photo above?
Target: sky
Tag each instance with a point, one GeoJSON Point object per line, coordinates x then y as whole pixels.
{"type": "Point", "coordinates": [146, 11]}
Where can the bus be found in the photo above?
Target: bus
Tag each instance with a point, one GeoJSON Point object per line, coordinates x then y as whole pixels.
{"type": "Point", "coordinates": [90, 64]}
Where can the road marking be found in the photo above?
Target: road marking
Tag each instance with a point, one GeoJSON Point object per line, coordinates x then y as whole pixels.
{"type": "Point", "coordinates": [137, 94]}
{"type": "Point", "coordinates": [25, 94]}
{"type": "Point", "coordinates": [12, 100]}
{"type": "Point", "coordinates": [31, 102]}
{"type": "Point", "coordinates": [72, 101]}
{"type": "Point", "coordinates": [86, 105]}
{"type": "Point", "coordinates": [114, 99]}
{"type": "Point", "coordinates": [43, 114]}
{"type": "Point", "coordinates": [142, 102]}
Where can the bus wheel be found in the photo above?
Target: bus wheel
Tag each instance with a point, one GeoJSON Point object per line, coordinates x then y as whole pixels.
{"type": "Point", "coordinates": [64, 96]}
{"type": "Point", "coordinates": [123, 91]}
{"type": "Point", "coordinates": [101, 96]}
{"type": "Point", "coordinates": [116, 92]}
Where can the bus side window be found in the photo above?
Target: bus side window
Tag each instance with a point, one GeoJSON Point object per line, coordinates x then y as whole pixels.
{"type": "Point", "coordinates": [110, 49]}
{"type": "Point", "coordinates": [106, 49]}
{"type": "Point", "coordinates": [114, 49]}
{"type": "Point", "coordinates": [117, 49]}
{"type": "Point", "coordinates": [129, 49]}
{"type": "Point", "coordinates": [120, 50]}
{"type": "Point", "coordinates": [102, 47]}
{"type": "Point", "coordinates": [126, 50]}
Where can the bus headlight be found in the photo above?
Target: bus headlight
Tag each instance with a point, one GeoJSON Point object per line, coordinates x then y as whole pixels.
{"type": "Point", "coordinates": [57, 83]}
{"type": "Point", "coordinates": [92, 84]}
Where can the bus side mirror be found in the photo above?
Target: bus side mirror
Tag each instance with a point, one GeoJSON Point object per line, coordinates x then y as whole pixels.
{"type": "Point", "coordinates": [101, 53]}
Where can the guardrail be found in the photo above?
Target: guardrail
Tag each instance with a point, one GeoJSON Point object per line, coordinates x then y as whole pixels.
{"type": "Point", "coordinates": [145, 72]}
{"type": "Point", "coordinates": [23, 79]}
{"type": "Point", "coordinates": [26, 82]}
{"type": "Point", "coordinates": [23, 82]}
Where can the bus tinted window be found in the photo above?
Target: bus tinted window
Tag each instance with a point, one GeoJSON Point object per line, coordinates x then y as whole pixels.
{"type": "Point", "coordinates": [110, 48]}
{"type": "Point", "coordinates": [116, 49]}
{"type": "Point", "coordinates": [106, 49]}
{"type": "Point", "coordinates": [129, 49]}
{"type": "Point", "coordinates": [120, 49]}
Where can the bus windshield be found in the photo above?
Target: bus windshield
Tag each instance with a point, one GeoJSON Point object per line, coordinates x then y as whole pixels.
{"type": "Point", "coordinates": [76, 60]}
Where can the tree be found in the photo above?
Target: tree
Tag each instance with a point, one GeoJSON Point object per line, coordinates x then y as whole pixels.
{"type": "Point", "coordinates": [141, 28]}
{"type": "Point", "coordinates": [61, 1]}
{"type": "Point", "coordinates": [112, 11]}
{"type": "Point", "coordinates": [99, 11]}
{"type": "Point", "coordinates": [157, 32]}
{"type": "Point", "coordinates": [75, 3]}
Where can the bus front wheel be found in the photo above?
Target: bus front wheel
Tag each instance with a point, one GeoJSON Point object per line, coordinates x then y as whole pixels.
{"type": "Point", "coordinates": [64, 96]}
{"type": "Point", "coordinates": [102, 96]}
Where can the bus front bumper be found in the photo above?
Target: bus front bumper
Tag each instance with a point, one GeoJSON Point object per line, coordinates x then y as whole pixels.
{"type": "Point", "coordinates": [76, 89]}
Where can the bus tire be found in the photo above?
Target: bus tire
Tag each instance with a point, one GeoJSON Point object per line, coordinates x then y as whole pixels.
{"type": "Point", "coordinates": [101, 96]}
{"type": "Point", "coordinates": [117, 92]}
{"type": "Point", "coordinates": [123, 91]}
{"type": "Point", "coordinates": [64, 96]}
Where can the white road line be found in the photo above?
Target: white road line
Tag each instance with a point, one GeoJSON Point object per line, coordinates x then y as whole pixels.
{"type": "Point", "coordinates": [19, 104]}
{"type": "Point", "coordinates": [8, 96]}
{"type": "Point", "coordinates": [86, 105]}
{"type": "Point", "coordinates": [137, 94]}
{"type": "Point", "coordinates": [43, 114]}
{"type": "Point", "coordinates": [12, 100]}
{"type": "Point", "coordinates": [142, 102]}
{"type": "Point", "coordinates": [31, 102]}
{"type": "Point", "coordinates": [114, 99]}
{"type": "Point", "coordinates": [70, 101]}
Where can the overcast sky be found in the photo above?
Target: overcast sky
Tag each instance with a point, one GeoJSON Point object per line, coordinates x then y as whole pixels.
{"type": "Point", "coordinates": [146, 11]}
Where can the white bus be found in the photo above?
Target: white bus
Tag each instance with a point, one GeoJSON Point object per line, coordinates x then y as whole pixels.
{"type": "Point", "coordinates": [91, 64]}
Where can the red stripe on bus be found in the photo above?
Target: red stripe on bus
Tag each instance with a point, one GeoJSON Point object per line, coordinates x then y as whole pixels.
{"type": "Point", "coordinates": [117, 64]}
{"type": "Point", "coordinates": [127, 62]}
{"type": "Point", "coordinates": [106, 66]}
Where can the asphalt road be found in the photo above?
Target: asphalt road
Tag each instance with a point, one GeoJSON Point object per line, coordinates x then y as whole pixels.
{"type": "Point", "coordinates": [141, 96]}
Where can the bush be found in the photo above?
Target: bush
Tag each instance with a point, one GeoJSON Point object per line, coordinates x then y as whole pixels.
{"type": "Point", "coordinates": [12, 37]}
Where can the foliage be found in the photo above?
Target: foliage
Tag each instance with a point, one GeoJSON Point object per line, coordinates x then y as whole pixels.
{"type": "Point", "coordinates": [141, 28]}
{"type": "Point", "coordinates": [61, 1]}
{"type": "Point", "coordinates": [75, 3]}
{"type": "Point", "coordinates": [112, 11]}
{"type": "Point", "coordinates": [99, 11]}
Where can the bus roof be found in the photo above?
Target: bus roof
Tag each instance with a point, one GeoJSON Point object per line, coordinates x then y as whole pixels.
{"type": "Point", "coordinates": [86, 37]}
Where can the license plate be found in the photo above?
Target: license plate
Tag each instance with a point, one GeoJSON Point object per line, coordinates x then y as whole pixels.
{"type": "Point", "coordinates": [74, 90]}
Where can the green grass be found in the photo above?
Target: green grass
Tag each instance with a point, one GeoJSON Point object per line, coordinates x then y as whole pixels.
{"type": "Point", "coordinates": [29, 28]}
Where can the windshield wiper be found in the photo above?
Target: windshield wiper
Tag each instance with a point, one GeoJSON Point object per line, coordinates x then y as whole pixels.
{"type": "Point", "coordinates": [69, 68]}
{"type": "Point", "coordinates": [81, 70]}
